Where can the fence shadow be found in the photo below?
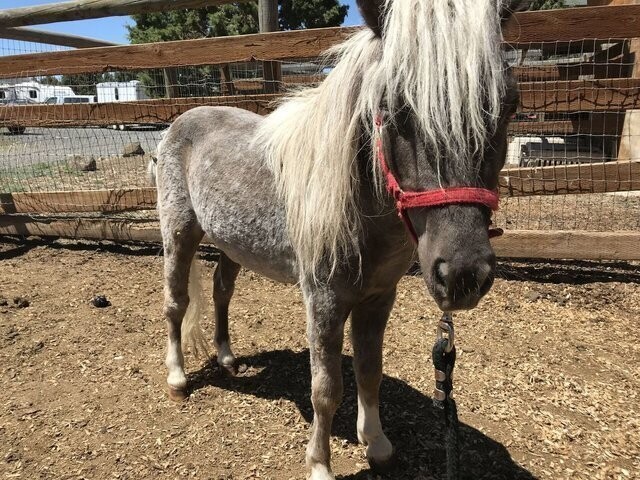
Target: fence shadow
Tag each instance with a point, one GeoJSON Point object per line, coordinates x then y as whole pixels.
{"type": "Point", "coordinates": [574, 272]}
{"type": "Point", "coordinates": [412, 424]}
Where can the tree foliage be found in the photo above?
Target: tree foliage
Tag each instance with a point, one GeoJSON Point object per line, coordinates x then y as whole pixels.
{"type": "Point", "coordinates": [297, 14]}
{"type": "Point", "coordinates": [230, 19]}
{"type": "Point", "coordinates": [546, 4]}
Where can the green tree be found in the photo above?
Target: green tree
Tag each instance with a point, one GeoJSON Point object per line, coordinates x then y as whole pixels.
{"type": "Point", "coordinates": [229, 19]}
{"type": "Point", "coordinates": [546, 4]}
{"type": "Point", "coordinates": [232, 19]}
{"type": "Point", "coordinates": [297, 14]}
{"type": "Point", "coordinates": [83, 83]}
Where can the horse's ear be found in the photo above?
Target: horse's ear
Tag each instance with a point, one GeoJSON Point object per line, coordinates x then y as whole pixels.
{"type": "Point", "coordinates": [372, 11]}
{"type": "Point", "coordinates": [509, 7]}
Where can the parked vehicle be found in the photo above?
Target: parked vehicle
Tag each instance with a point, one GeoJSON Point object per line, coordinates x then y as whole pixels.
{"type": "Point", "coordinates": [35, 91]}
{"type": "Point", "coordinates": [112, 92]}
{"type": "Point", "coordinates": [120, 91]}
{"type": "Point", "coordinates": [71, 99]}
{"type": "Point", "coordinates": [16, 129]}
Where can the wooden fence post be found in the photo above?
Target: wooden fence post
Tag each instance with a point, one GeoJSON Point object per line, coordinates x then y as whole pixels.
{"type": "Point", "coordinates": [629, 147]}
{"type": "Point", "coordinates": [268, 19]}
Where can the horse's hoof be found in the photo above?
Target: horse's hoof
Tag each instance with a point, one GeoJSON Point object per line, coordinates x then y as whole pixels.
{"type": "Point", "coordinates": [234, 369]}
{"type": "Point", "coordinates": [177, 395]}
{"type": "Point", "coordinates": [383, 466]}
{"type": "Point", "coordinates": [231, 370]}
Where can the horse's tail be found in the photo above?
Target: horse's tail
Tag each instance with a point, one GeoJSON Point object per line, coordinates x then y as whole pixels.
{"type": "Point", "coordinates": [151, 171]}
{"type": "Point", "coordinates": [191, 331]}
{"type": "Point", "coordinates": [152, 168]}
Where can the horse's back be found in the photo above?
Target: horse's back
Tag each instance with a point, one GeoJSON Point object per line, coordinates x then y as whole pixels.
{"type": "Point", "coordinates": [210, 156]}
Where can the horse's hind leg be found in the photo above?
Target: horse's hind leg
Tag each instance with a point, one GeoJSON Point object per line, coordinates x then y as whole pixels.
{"type": "Point", "coordinates": [181, 241]}
{"type": "Point", "coordinates": [367, 330]}
{"type": "Point", "coordinates": [224, 281]}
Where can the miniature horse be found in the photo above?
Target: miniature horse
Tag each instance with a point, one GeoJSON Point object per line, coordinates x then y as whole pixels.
{"type": "Point", "coordinates": [412, 120]}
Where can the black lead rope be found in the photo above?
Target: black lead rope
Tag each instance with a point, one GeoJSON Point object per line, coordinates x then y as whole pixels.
{"type": "Point", "coordinates": [444, 360]}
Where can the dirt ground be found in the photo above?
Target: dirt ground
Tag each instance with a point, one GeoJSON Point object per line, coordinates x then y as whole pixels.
{"type": "Point", "coordinates": [547, 380]}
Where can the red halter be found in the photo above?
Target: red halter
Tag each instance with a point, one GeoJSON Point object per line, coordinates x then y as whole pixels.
{"type": "Point", "coordinates": [433, 198]}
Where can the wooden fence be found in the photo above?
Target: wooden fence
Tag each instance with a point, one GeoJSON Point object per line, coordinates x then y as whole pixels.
{"type": "Point", "coordinates": [608, 95]}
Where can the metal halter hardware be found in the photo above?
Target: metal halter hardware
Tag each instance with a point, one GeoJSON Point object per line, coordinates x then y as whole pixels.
{"type": "Point", "coordinates": [444, 359]}
{"type": "Point", "coordinates": [444, 356]}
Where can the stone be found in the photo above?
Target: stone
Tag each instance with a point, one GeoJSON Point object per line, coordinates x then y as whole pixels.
{"type": "Point", "coordinates": [132, 149]}
{"type": "Point", "coordinates": [532, 296]}
{"type": "Point", "coordinates": [83, 164]}
{"type": "Point", "coordinates": [100, 301]}
{"type": "Point", "coordinates": [21, 302]}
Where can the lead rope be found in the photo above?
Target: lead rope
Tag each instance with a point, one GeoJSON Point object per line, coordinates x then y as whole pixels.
{"type": "Point", "coordinates": [444, 360]}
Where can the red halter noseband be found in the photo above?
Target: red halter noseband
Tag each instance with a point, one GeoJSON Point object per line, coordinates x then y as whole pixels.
{"type": "Point", "coordinates": [433, 198]}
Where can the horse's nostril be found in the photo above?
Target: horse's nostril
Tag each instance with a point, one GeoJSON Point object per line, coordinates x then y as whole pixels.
{"type": "Point", "coordinates": [482, 275]}
{"type": "Point", "coordinates": [440, 272]}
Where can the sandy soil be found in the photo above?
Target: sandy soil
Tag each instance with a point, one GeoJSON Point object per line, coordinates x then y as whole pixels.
{"type": "Point", "coordinates": [547, 380]}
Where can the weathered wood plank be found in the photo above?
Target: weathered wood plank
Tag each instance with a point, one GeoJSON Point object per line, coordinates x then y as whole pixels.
{"type": "Point", "coordinates": [208, 51]}
{"type": "Point", "coordinates": [52, 38]}
{"type": "Point", "coordinates": [163, 110]}
{"type": "Point", "coordinates": [570, 245]}
{"type": "Point", "coordinates": [617, 68]}
{"type": "Point", "coordinates": [564, 25]}
{"type": "Point", "coordinates": [563, 96]}
{"type": "Point", "coordinates": [576, 245]}
{"type": "Point", "coordinates": [606, 123]}
{"type": "Point", "coordinates": [81, 228]}
{"type": "Point", "coordinates": [543, 26]}
{"type": "Point", "coordinates": [580, 95]}
{"type": "Point", "coordinates": [571, 179]}
{"type": "Point", "coordinates": [84, 9]}
{"type": "Point", "coordinates": [103, 201]}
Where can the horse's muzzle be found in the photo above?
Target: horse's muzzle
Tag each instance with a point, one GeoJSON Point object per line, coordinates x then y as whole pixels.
{"type": "Point", "coordinates": [459, 284]}
{"type": "Point", "coordinates": [457, 260]}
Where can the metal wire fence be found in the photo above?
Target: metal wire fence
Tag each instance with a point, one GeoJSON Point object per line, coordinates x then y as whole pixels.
{"type": "Point", "coordinates": [572, 160]}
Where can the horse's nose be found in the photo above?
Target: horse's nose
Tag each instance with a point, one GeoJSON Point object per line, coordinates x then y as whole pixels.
{"type": "Point", "coordinates": [463, 283]}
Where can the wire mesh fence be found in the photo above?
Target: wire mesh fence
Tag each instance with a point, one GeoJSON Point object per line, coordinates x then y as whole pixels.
{"type": "Point", "coordinates": [572, 160]}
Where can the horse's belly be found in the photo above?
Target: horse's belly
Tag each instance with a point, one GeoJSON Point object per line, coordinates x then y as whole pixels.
{"type": "Point", "coordinates": [243, 218]}
{"type": "Point", "coordinates": [256, 250]}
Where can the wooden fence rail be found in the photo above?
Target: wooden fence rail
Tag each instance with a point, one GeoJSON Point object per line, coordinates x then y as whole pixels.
{"type": "Point", "coordinates": [85, 9]}
{"type": "Point", "coordinates": [514, 182]}
{"type": "Point", "coordinates": [609, 95]}
{"type": "Point", "coordinates": [164, 110]}
{"type": "Point", "coordinates": [551, 244]}
{"type": "Point", "coordinates": [570, 25]}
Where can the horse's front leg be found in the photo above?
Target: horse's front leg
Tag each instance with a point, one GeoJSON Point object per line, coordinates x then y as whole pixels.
{"type": "Point", "coordinates": [368, 322]}
{"type": "Point", "coordinates": [326, 316]}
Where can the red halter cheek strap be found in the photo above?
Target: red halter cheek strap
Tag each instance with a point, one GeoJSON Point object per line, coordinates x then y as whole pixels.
{"type": "Point", "coordinates": [432, 198]}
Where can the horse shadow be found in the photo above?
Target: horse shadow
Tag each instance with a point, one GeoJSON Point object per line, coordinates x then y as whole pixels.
{"type": "Point", "coordinates": [412, 424]}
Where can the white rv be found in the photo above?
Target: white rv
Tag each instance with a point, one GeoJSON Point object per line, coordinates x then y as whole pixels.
{"type": "Point", "coordinates": [7, 92]}
{"type": "Point", "coordinates": [40, 93]}
{"type": "Point", "coordinates": [120, 91]}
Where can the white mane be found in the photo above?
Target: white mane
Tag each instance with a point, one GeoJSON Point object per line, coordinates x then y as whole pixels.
{"type": "Point", "coordinates": [439, 57]}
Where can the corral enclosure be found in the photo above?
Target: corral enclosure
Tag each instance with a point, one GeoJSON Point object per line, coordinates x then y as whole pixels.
{"type": "Point", "coordinates": [560, 400]}
{"type": "Point", "coordinates": [569, 188]}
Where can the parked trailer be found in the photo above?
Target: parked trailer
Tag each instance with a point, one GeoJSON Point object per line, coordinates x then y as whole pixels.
{"type": "Point", "coordinates": [113, 92]}
{"type": "Point", "coordinates": [34, 91]}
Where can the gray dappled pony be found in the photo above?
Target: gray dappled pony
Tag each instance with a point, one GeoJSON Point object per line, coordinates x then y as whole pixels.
{"type": "Point", "coordinates": [298, 196]}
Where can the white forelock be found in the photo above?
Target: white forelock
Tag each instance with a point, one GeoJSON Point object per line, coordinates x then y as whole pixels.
{"type": "Point", "coordinates": [441, 58]}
